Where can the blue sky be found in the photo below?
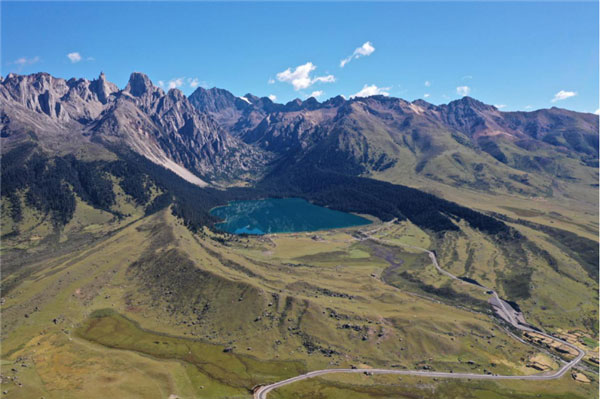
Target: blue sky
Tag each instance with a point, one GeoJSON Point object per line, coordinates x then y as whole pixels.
{"type": "Point", "coordinates": [516, 55]}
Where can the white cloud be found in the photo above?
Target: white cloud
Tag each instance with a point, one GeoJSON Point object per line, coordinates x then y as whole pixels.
{"type": "Point", "coordinates": [272, 97]}
{"type": "Point", "coordinates": [271, 81]}
{"type": "Point", "coordinates": [371, 90]}
{"type": "Point", "coordinates": [467, 77]}
{"type": "Point", "coordinates": [426, 95]}
{"type": "Point", "coordinates": [325, 79]}
{"type": "Point", "coordinates": [74, 57]}
{"type": "Point", "coordinates": [26, 61]}
{"type": "Point", "coordinates": [363, 51]}
{"type": "Point", "coordinates": [427, 83]}
{"type": "Point", "coordinates": [316, 94]}
{"type": "Point", "coordinates": [300, 77]}
{"type": "Point", "coordinates": [528, 107]}
{"type": "Point", "coordinates": [597, 111]}
{"type": "Point", "coordinates": [500, 106]}
{"type": "Point", "coordinates": [463, 90]}
{"type": "Point", "coordinates": [175, 83]}
{"type": "Point", "coordinates": [563, 95]}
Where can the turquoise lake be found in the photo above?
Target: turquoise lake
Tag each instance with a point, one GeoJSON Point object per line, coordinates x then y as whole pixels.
{"type": "Point", "coordinates": [287, 215]}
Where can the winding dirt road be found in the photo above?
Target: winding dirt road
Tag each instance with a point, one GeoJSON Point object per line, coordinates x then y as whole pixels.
{"type": "Point", "coordinates": [504, 310]}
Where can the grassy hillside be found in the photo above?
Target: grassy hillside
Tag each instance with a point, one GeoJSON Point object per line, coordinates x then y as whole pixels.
{"type": "Point", "coordinates": [114, 283]}
{"type": "Point", "coordinates": [385, 387]}
{"type": "Point", "coordinates": [569, 204]}
{"type": "Point", "coordinates": [148, 309]}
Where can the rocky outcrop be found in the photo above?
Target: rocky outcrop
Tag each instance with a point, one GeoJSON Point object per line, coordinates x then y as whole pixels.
{"type": "Point", "coordinates": [235, 114]}
{"type": "Point", "coordinates": [78, 100]}
{"type": "Point", "coordinates": [164, 127]}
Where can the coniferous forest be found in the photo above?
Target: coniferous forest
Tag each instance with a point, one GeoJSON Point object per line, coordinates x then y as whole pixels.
{"type": "Point", "coordinates": [51, 184]}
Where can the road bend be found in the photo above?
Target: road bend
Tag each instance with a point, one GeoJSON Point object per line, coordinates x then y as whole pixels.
{"type": "Point", "coordinates": [262, 391]}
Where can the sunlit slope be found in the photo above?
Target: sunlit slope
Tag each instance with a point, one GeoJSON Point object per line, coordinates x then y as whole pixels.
{"type": "Point", "coordinates": [319, 301]}
{"type": "Point", "coordinates": [405, 387]}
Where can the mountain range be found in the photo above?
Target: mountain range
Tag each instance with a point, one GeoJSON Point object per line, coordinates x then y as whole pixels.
{"type": "Point", "coordinates": [213, 137]}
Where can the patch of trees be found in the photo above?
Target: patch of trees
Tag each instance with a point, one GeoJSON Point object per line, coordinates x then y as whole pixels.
{"type": "Point", "coordinates": [87, 179]}
{"type": "Point", "coordinates": [132, 180]}
{"type": "Point", "coordinates": [13, 178]}
{"type": "Point", "coordinates": [516, 284]}
{"type": "Point", "coordinates": [190, 202]}
{"type": "Point", "coordinates": [47, 192]}
{"type": "Point", "coordinates": [381, 199]}
{"type": "Point", "coordinates": [159, 203]}
{"type": "Point", "coordinates": [584, 250]}
{"type": "Point", "coordinates": [445, 292]}
{"type": "Point", "coordinates": [50, 185]}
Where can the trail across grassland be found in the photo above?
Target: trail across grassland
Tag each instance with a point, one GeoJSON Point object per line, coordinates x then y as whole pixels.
{"type": "Point", "coordinates": [501, 308]}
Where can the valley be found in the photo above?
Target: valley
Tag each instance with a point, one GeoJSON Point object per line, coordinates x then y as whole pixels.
{"type": "Point", "coordinates": [404, 238]}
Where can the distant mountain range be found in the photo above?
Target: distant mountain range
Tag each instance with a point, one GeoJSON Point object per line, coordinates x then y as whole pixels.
{"type": "Point", "coordinates": [214, 137]}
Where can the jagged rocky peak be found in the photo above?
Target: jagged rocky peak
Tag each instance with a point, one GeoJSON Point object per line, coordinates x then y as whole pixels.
{"type": "Point", "coordinates": [76, 99]}
{"type": "Point", "coordinates": [103, 88]}
{"type": "Point", "coordinates": [294, 105]}
{"type": "Point", "coordinates": [20, 87]}
{"type": "Point", "coordinates": [423, 104]}
{"type": "Point", "coordinates": [335, 101]}
{"type": "Point", "coordinates": [216, 100]}
{"type": "Point", "coordinates": [167, 129]}
{"type": "Point", "coordinates": [139, 84]}
{"type": "Point", "coordinates": [311, 103]}
{"type": "Point", "coordinates": [39, 92]}
{"type": "Point", "coordinates": [470, 103]}
{"type": "Point", "coordinates": [176, 95]}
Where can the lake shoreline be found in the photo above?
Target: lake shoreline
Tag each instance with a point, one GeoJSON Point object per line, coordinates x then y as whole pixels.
{"type": "Point", "coordinates": [281, 216]}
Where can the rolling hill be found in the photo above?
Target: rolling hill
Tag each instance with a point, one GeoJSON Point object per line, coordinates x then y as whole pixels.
{"type": "Point", "coordinates": [115, 280]}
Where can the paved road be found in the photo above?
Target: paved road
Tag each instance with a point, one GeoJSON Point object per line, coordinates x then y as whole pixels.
{"type": "Point", "coordinates": [503, 309]}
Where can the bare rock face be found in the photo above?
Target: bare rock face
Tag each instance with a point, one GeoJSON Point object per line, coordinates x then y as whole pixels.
{"type": "Point", "coordinates": [235, 114]}
{"type": "Point", "coordinates": [103, 88]}
{"type": "Point", "coordinates": [73, 100]}
{"type": "Point", "coordinates": [164, 127]}
{"type": "Point", "coordinates": [139, 85]}
{"type": "Point", "coordinates": [39, 93]}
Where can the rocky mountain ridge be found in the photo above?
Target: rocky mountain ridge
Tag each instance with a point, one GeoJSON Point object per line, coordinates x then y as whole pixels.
{"type": "Point", "coordinates": [213, 136]}
{"type": "Point", "coordinates": [462, 143]}
{"type": "Point", "coordinates": [163, 127]}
